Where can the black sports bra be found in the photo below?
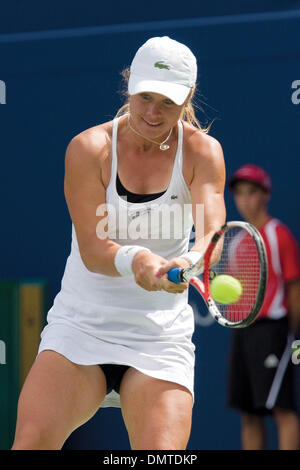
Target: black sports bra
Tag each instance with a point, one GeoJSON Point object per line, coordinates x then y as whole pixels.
{"type": "Point", "coordinates": [133, 197]}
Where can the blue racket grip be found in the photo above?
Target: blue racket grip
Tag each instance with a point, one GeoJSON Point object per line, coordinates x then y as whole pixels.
{"type": "Point", "coordinates": [174, 275]}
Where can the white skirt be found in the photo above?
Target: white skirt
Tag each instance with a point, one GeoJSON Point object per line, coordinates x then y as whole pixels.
{"type": "Point", "coordinates": [162, 359]}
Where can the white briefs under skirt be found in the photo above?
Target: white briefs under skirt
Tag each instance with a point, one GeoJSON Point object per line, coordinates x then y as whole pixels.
{"type": "Point", "coordinates": [171, 361]}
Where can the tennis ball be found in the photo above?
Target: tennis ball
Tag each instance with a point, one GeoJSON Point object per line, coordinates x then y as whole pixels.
{"type": "Point", "coordinates": [225, 289]}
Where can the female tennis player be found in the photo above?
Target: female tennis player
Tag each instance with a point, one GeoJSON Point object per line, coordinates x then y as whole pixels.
{"type": "Point", "coordinates": [119, 333]}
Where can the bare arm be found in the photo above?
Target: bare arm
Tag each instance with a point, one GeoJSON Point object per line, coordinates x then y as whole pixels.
{"type": "Point", "coordinates": [84, 193]}
{"type": "Point", "coordinates": [207, 191]}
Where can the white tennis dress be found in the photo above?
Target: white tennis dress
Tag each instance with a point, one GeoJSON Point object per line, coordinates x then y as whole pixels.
{"type": "Point", "coordinates": [98, 319]}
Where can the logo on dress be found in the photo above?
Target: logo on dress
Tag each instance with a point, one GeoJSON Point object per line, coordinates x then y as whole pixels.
{"type": "Point", "coordinates": [134, 214]}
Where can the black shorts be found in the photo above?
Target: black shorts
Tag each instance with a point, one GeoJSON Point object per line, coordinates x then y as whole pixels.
{"type": "Point", "coordinates": [114, 375]}
{"type": "Point", "coordinates": [255, 354]}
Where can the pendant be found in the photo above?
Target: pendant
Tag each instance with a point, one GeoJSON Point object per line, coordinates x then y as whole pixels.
{"type": "Point", "coordinates": [164, 146]}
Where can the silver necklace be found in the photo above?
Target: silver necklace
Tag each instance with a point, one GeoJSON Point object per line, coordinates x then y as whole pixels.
{"type": "Point", "coordinates": [163, 146]}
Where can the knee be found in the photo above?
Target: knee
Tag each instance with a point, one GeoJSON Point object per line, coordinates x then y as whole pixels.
{"type": "Point", "coordinates": [157, 443]}
{"type": "Point", "coordinates": [156, 438]}
{"type": "Point", "coordinates": [32, 436]}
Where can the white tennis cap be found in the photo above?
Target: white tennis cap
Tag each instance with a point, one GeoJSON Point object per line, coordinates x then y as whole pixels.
{"type": "Point", "coordinates": [163, 66]}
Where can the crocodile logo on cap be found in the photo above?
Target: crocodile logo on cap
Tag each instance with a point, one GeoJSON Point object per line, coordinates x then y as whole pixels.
{"type": "Point", "coordinates": [161, 65]}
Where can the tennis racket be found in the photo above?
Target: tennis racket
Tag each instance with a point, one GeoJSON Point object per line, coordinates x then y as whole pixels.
{"type": "Point", "coordinates": [238, 250]}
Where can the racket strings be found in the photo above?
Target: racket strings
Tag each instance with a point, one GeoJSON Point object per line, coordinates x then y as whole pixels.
{"type": "Point", "coordinates": [239, 259]}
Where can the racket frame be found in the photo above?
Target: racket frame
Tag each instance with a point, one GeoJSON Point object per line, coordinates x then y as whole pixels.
{"type": "Point", "coordinates": [203, 266]}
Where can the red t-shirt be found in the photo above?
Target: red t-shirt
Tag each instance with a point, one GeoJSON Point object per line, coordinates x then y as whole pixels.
{"type": "Point", "coordinates": [283, 266]}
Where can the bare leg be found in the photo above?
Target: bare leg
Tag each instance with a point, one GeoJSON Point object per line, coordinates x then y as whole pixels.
{"type": "Point", "coordinates": [157, 413]}
{"type": "Point", "coordinates": [288, 429]}
{"type": "Point", "coordinates": [253, 432]}
{"type": "Point", "coordinates": [57, 397]}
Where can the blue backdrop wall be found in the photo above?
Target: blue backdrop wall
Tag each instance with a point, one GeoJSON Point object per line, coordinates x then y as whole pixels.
{"type": "Point", "coordinates": [60, 82]}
